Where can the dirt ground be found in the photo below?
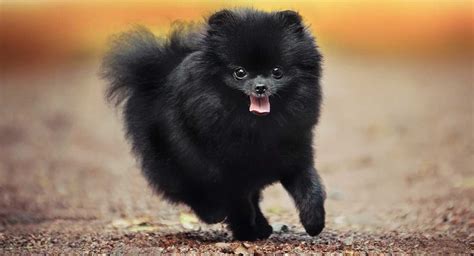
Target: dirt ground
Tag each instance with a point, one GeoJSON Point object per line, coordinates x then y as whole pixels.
{"type": "Point", "coordinates": [394, 147]}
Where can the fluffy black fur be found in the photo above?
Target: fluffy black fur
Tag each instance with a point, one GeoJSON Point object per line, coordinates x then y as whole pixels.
{"type": "Point", "coordinates": [188, 118]}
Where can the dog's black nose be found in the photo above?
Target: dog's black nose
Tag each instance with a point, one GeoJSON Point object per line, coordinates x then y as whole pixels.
{"type": "Point", "coordinates": [260, 89]}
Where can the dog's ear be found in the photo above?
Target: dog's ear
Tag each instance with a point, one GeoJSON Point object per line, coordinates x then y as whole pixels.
{"type": "Point", "coordinates": [221, 17]}
{"type": "Point", "coordinates": [292, 19]}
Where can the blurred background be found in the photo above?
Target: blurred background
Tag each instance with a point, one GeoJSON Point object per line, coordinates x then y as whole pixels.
{"type": "Point", "coordinates": [394, 145]}
{"type": "Point", "coordinates": [57, 32]}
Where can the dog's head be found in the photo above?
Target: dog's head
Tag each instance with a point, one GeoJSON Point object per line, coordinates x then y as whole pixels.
{"type": "Point", "coordinates": [261, 54]}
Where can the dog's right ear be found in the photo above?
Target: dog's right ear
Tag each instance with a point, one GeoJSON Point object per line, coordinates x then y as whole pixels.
{"type": "Point", "coordinates": [293, 20]}
{"type": "Point", "coordinates": [219, 18]}
{"type": "Point", "coordinates": [291, 17]}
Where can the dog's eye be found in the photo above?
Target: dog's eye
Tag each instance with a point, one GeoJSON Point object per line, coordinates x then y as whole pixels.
{"type": "Point", "coordinates": [240, 73]}
{"type": "Point", "coordinates": [277, 73]}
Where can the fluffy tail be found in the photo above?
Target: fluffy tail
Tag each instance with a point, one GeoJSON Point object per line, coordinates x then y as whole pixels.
{"type": "Point", "coordinates": [138, 60]}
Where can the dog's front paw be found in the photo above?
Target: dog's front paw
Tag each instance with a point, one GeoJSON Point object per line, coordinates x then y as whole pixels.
{"type": "Point", "coordinates": [264, 231]}
{"type": "Point", "coordinates": [313, 220]}
{"type": "Point", "coordinates": [245, 233]}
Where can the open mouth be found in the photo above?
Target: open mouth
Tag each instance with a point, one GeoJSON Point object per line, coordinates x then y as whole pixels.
{"type": "Point", "coordinates": [259, 105]}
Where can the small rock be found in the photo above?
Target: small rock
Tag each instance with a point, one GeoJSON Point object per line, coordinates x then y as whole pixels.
{"type": "Point", "coordinates": [241, 250]}
{"type": "Point", "coordinates": [278, 227]}
{"type": "Point", "coordinates": [188, 221]}
{"type": "Point", "coordinates": [348, 241]}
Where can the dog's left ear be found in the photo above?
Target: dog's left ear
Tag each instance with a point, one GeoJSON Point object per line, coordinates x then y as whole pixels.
{"type": "Point", "coordinates": [292, 19]}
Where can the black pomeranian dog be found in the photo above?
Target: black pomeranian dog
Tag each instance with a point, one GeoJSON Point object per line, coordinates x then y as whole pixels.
{"type": "Point", "coordinates": [218, 111]}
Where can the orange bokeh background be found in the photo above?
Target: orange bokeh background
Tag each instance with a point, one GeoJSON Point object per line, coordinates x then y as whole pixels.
{"type": "Point", "coordinates": [37, 33]}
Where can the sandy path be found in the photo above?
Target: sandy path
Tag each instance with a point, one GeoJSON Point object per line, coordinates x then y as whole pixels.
{"type": "Point", "coordinates": [394, 147]}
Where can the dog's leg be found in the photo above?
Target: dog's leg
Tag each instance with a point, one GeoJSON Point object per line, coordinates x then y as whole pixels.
{"type": "Point", "coordinates": [264, 230]}
{"type": "Point", "coordinates": [241, 218]}
{"type": "Point", "coordinates": [307, 191]}
{"type": "Point", "coordinates": [209, 209]}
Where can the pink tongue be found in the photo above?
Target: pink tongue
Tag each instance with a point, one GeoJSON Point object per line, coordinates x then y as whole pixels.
{"type": "Point", "coordinates": [259, 105]}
